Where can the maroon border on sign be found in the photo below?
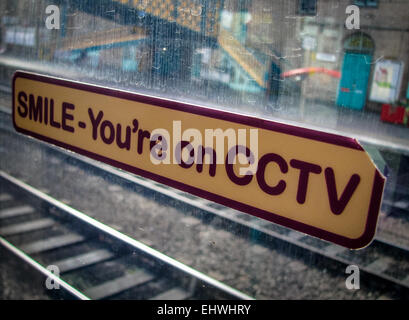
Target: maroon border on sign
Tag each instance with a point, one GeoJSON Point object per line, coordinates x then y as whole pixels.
{"type": "Point", "coordinates": [324, 137]}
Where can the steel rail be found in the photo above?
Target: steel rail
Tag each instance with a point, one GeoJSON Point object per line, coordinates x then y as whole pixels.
{"type": "Point", "coordinates": [104, 229]}
{"type": "Point", "coordinates": [47, 273]}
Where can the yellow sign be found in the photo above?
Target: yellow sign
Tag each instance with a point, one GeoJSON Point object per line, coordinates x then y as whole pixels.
{"type": "Point", "coordinates": [318, 183]}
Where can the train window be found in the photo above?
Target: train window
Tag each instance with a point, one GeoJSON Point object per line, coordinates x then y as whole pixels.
{"type": "Point", "coordinates": [336, 67]}
{"type": "Point", "coordinates": [366, 3]}
{"type": "Point", "coordinates": [307, 7]}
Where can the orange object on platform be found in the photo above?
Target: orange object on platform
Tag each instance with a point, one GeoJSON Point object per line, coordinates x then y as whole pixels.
{"type": "Point", "coordinates": [296, 72]}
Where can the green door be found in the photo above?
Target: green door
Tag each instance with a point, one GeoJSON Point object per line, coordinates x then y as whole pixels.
{"type": "Point", "coordinates": [354, 80]}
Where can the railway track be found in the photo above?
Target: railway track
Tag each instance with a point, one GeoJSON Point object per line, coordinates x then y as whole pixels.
{"type": "Point", "coordinates": [89, 260]}
{"type": "Point", "coordinates": [383, 260]}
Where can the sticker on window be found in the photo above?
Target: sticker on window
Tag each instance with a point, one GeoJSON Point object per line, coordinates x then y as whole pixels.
{"type": "Point", "coordinates": [318, 183]}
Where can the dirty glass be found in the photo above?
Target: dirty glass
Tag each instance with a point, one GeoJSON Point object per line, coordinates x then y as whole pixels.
{"type": "Point", "coordinates": [334, 66]}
